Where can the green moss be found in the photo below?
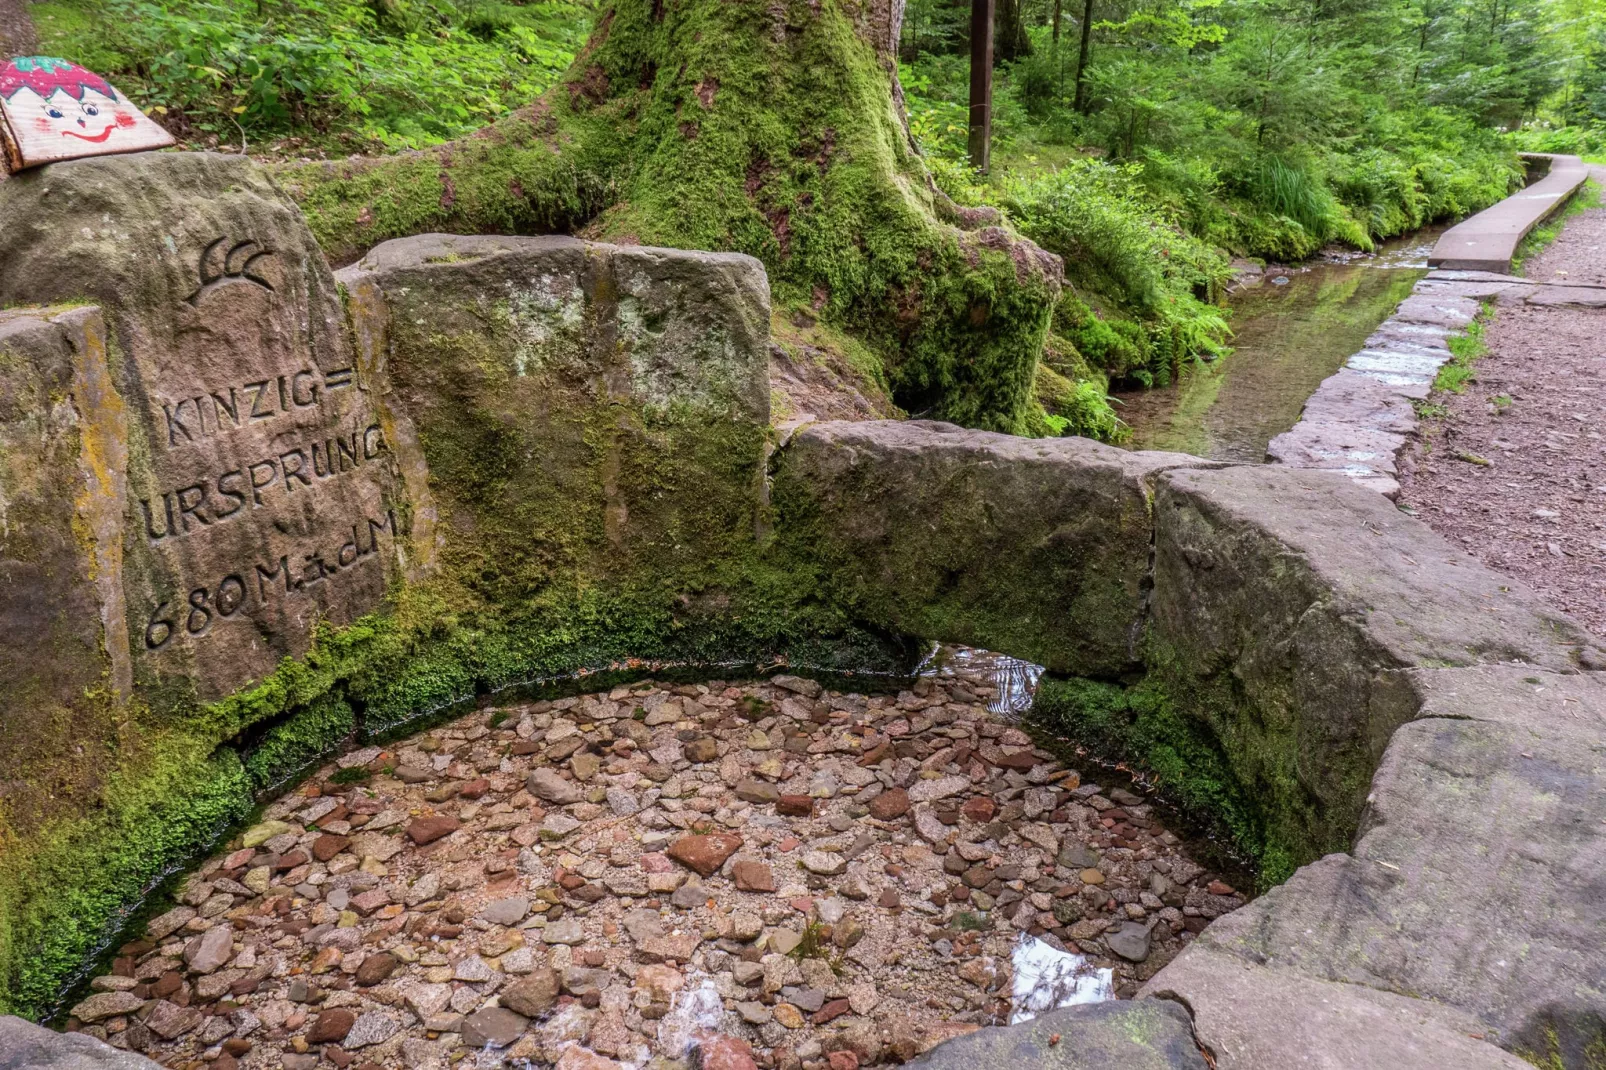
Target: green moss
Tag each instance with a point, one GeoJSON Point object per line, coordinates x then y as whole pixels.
{"type": "Point", "coordinates": [64, 894]}
{"type": "Point", "coordinates": [1144, 726]}
{"type": "Point", "coordinates": [293, 745]}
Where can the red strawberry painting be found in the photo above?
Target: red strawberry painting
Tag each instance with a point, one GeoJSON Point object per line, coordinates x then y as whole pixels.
{"type": "Point", "coordinates": [51, 110]}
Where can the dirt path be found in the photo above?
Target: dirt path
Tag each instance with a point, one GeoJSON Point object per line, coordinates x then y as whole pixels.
{"type": "Point", "coordinates": [17, 36]}
{"type": "Point", "coordinates": [1538, 509]}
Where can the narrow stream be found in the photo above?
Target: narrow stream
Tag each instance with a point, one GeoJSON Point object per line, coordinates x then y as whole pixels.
{"type": "Point", "coordinates": [1290, 331]}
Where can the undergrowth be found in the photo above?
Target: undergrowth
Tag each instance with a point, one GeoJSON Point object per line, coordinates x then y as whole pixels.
{"type": "Point", "coordinates": [335, 75]}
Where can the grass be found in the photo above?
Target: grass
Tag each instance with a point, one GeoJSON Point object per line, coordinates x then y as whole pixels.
{"type": "Point", "coordinates": [1587, 197]}
{"type": "Point", "coordinates": [1465, 349]}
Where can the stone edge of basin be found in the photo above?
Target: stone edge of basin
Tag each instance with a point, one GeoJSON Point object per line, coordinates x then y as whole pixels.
{"type": "Point", "coordinates": [1486, 797]}
{"type": "Point", "coordinates": [1488, 241]}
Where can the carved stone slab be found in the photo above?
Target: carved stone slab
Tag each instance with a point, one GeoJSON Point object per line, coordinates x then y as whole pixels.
{"type": "Point", "coordinates": [51, 110]}
{"type": "Point", "coordinates": [259, 496]}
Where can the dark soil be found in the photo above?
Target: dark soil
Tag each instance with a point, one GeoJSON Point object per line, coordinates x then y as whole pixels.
{"type": "Point", "coordinates": [1538, 509]}
{"type": "Point", "coordinates": [17, 37]}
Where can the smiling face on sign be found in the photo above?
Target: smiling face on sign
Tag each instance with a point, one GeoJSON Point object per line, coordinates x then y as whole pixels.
{"type": "Point", "coordinates": [93, 119]}
{"type": "Point", "coordinates": [55, 110]}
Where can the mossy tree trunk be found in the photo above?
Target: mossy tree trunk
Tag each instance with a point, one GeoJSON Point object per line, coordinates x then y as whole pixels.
{"type": "Point", "coordinates": [770, 127]}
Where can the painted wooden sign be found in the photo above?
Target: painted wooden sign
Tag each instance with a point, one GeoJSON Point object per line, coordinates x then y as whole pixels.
{"type": "Point", "coordinates": [51, 110]}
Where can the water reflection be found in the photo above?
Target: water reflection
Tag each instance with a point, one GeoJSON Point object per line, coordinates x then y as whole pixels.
{"type": "Point", "coordinates": [1014, 681]}
{"type": "Point", "coordinates": [1047, 978]}
{"type": "Point", "coordinates": [1290, 332]}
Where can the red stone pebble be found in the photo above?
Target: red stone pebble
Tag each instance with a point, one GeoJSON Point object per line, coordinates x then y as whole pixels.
{"type": "Point", "coordinates": [830, 1012]}
{"type": "Point", "coordinates": [719, 1052]}
{"type": "Point", "coordinates": [1218, 888]}
{"type": "Point", "coordinates": [705, 854]}
{"type": "Point", "coordinates": [890, 805]}
{"type": "Point", "coordinates": [429, 829]}
{"type": "Point", "coordinates": [474, 789]}
{"type": "Point", "coordinates": [843, 1060]}
{"type": "Point", "coordinates": [795, 806]}
{"type": "Point", "coordinates": [327, 846]}
{"type": "Point", "coordinates": [980, 809]}
{"type": "Point", "coordinates": [753, 877]}
{"type": "Point", "coordinates": [331, 1027]}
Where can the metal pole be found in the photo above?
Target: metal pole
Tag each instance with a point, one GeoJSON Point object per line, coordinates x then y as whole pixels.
{"type": "Point", "coordinates": [981, 82]}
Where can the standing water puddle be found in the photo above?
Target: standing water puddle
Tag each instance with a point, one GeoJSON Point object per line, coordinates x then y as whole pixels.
{"type": "Point", "coordinates": [1290, 332]}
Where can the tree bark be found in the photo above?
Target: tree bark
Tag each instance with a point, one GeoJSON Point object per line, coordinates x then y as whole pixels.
{"type": "Point", "coordinates": [1079, 102]}
{"type": "Point", "coordinates": [769, 127]}
{"type": "Point", "coordinates": [981, 83]}
{"type": "Point", "coordinates": [1010, 40]}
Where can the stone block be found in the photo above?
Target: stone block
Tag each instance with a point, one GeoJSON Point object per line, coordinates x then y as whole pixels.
{"type": "Point", "coordinates": [1286, 606]}
{"type": "Point", "coordinates": [1475, 881]}
{"type": "Point", "coordinates": [1254, 1017]}
{"type": "Point", "coordinates": [251, 475]}
{"type": "Point", "coordinates": [1035, 546]}
{"type": "Point", "coordinates": [563, 409]}
{"type": "Point", "coordinates": [1152, 1035]}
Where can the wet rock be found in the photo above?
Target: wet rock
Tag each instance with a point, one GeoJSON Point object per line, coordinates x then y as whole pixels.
{"type": "Point", "coordinates": [493, 1026]}
{"type": "Point", "coordinates": [169, 1020]}
{"type": "Point", "coordinates": [508, 911]}
{"type": "Point", "coordinates": [533, 995]}
{"type": "Point", "coordinates": [757, 791]}
{"type": "Point", "coordinates": [429, 829]}
{"type": "Point", "coordinates": [753, 877]}
{"type": "Point", "coordinates": [1145, 1035]}
{"type": "Point", "coordinates": [890, 805]}
{"type": "Point", "coordinates": [825, 863]}
{"type": "Point", "coordinates": [795, 806]}
{"type": "Point", "coordinates": [210, 950]}
{"type": "Point", "coordinates": [376, 968]}
{"type": "Point", "coordinates": [1130, 941]}
{"type": "Point", "coordinates": [331, 1026]}
{"type": "Point", "coordinates": [25, 1046]}
{"type": "Point", "coordinates": [105, 1005]}
{"type": "Point", "coordinates": [371, 1028]}
{"type": "Point", "coordinates": [799, 685]}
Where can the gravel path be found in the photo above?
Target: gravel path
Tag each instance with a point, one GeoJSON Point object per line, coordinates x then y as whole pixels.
{"type": "Point", "coordinates": [1538, 509]}
{"type": "Point", "coordinates": [17, 36]}
{"type": "Point", "coordinates": [773, 874]}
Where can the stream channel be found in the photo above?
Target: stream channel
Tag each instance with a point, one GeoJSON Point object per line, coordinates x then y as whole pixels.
{"type": "Point", "coordinates": [1290, 331]}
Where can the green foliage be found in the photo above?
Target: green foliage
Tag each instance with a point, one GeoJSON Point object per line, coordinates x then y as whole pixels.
{"type": "Point", "coordinates": [338, 74]}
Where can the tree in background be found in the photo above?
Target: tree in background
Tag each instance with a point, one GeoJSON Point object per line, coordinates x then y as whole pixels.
{"type": "Point", "coordinates": [773, 128]}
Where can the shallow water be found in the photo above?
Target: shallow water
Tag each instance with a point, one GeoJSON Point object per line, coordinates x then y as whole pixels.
{"type": "Point", "coordinates": [1289, 333]}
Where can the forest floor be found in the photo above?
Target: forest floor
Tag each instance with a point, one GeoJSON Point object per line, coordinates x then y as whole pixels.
{"type": "Point", "coordinates": [1537, 508]}
{"type": "Point", "coordinates": [782, 876]}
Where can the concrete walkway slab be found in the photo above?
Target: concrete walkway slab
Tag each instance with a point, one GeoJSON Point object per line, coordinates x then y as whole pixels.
{"type": "Point", "coordinates": [1488, 241]}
